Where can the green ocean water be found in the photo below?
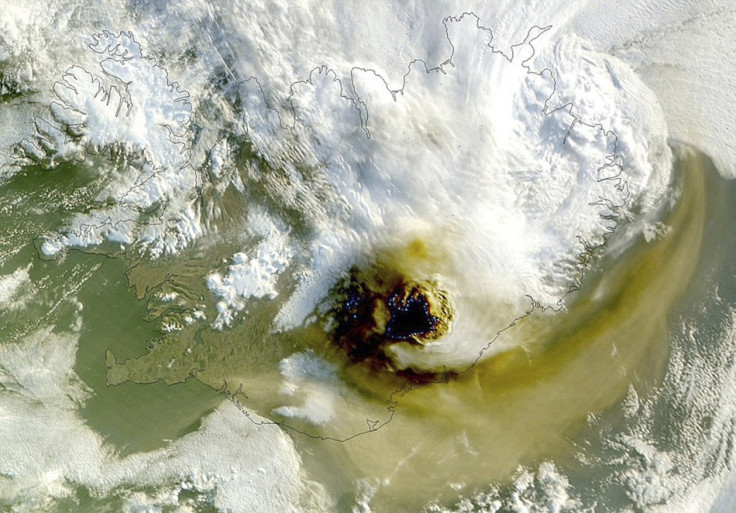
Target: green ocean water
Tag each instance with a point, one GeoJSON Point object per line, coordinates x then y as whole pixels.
{"type": "Point", "coordinates": [130, 417]}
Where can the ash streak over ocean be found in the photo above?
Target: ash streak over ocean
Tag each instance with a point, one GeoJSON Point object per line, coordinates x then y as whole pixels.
{"type": "Point", "coordinates": [503, 267]}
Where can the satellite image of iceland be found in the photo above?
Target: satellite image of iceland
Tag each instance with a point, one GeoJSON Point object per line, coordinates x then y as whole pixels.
{"type": "Point", "coordinates": [349, 256]}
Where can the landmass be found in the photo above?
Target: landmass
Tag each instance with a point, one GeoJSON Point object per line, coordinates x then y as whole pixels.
{"type": "Point", "coordinates": [216, 303]}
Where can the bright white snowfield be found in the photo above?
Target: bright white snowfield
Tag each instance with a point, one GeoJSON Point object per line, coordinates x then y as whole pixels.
{"type": "Point", "coordinates": [367, 257]}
